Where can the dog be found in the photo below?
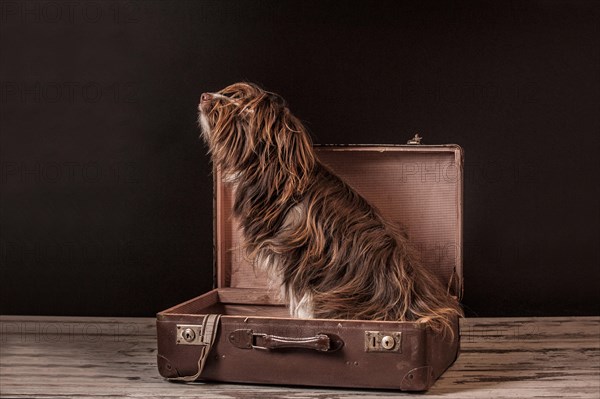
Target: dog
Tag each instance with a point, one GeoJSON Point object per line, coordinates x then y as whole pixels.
{"type": "Point", "coordinates": [334, 254]}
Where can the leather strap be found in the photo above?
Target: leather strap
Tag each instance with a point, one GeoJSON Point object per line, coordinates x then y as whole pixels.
{"type": "Point", "coordinates": [210, 325]}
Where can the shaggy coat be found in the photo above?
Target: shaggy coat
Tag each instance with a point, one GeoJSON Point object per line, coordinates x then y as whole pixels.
{"type": "Point", "coordinates": [335, 255]}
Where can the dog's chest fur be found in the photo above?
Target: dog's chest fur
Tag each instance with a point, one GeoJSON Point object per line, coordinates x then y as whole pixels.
{"type": "Point", "coordinates": [272, 263]}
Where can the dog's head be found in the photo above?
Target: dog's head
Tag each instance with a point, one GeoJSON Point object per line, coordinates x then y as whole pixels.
{"type": "Point", "coordinates": [251, 134]}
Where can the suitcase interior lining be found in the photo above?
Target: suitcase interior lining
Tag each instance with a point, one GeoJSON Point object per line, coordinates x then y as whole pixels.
{"type": "Point", "coordinates": [232, 302]}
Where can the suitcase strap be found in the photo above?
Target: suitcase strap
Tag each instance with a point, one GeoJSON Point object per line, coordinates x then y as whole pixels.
{"type": "Point", "coordinates": [210, 325]}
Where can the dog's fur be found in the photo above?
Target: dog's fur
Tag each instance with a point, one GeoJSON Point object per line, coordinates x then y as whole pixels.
{"type": "Point", "coordinates": [335, 255]}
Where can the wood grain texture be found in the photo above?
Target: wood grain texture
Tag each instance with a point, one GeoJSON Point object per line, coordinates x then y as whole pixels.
{"type": "Point", "coordinates": [52, 357]}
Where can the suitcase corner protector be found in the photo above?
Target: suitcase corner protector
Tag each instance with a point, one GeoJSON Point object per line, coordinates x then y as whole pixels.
{"type": "Point", "coordinates": [165, 368]}
{"type": "Point", "coordinates": [418, 379]}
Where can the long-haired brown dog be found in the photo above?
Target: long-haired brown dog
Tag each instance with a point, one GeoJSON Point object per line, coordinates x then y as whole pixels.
{"type": "Point", "coordinates": [333, 252]}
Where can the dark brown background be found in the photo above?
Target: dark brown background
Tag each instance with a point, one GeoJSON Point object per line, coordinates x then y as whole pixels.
{"type": "Point", "coordinates": [106, 188]}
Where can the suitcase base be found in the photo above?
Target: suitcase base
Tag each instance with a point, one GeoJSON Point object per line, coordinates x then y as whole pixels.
{"type": "Point", "coordinates": [256, 342]}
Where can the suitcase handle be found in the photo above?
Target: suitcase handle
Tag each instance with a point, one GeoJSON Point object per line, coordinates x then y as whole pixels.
{"type": "Point", "coordinates": [247, 339]}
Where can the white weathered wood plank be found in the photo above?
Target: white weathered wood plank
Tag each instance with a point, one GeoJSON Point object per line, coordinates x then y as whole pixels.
{"type": "Point", "coordinates": [52, 357]}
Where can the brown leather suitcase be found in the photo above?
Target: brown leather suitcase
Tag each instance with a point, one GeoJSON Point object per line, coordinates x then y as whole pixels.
{"type": "Point", "coordinates": [241, 332]}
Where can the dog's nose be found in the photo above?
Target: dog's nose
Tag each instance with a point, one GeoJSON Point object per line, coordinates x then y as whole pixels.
{"type": "Point", "coordinates": [205, 97]}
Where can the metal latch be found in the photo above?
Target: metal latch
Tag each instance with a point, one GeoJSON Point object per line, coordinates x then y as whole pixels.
{"type": "Point", "coordinates": [189, 334]}
{"type": "Point", "coordinates": [383, 341]}
{"type": "Point", "coordinates": [415, 140]}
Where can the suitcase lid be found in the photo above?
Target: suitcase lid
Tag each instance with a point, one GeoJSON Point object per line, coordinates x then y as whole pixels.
{"type": "Point", "coordinates": [418, 186]}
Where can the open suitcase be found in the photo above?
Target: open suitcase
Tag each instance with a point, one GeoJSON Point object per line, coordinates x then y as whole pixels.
{"type": "Point", "coordinates": [241, 332]}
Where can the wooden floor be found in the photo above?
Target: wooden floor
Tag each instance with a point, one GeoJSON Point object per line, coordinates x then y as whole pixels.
{"type": "Point", "coordinates": [50, 357]}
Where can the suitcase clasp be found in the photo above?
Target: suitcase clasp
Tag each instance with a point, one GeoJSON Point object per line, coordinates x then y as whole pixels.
{"type": "Point", "coordinates": [415, 140]}
{"type": "Point", "coordinates": [383, 341]}
{"type": "Point", "coordinates": [189, 334]}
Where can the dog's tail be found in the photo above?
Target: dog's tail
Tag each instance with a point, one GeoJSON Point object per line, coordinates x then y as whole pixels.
{"type": "Point", "coordinates": [395, 286]}
{"type": "Point", "coordinates": [426, 299]}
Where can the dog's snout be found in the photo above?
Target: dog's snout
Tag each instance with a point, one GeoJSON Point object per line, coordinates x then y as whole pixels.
{"type": "Point", "coordinates": [205, 97]}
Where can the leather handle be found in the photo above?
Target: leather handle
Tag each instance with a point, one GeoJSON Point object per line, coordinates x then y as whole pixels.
{"type": "Point", "coordinates": [319, 342]}
{"type": "Point", "coordinates": [247, 339]}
